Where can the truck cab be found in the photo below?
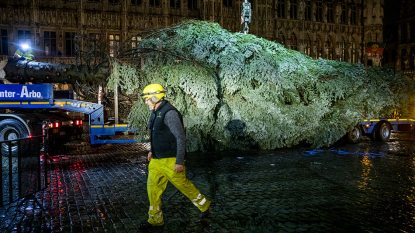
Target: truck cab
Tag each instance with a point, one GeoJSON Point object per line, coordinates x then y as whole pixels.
{"type": "Point", "coordinates": [30, 109]}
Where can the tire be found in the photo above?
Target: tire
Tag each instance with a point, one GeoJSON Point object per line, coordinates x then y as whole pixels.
{"type": "Point", "coordinates": [11, 129]}
{"type": "Point", "coordinates": [354, 135]}
{"type": "Point", "coordinates": [383, 132]}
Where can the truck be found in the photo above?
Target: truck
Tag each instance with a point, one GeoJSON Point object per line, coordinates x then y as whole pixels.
{"type": "Point", "coordinates": [27, 109]}
{"type": "Point", "coordinates": [380, 129]}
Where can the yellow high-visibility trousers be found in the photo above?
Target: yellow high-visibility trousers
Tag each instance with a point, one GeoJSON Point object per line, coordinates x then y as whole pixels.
{"type": "Point", "coordinates": [160, 171]}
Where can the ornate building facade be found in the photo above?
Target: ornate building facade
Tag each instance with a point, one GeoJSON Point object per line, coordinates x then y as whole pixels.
{"type": "Point", "coordinates": [332, 29]}
{"type": "Point", "coordinates": [406, 37]}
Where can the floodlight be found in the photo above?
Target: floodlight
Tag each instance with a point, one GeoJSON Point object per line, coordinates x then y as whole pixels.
{"type": "Point", "coordinates": [25, 46]}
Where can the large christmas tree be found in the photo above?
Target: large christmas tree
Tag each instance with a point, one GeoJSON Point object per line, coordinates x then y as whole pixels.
{"type": "Point", "coordinates": [240, 91]}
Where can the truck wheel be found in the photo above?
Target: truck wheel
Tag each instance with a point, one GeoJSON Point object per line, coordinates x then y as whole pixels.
{"type": "Point", "coordinates": [11, 129]}
{"type": "Point", "coordinates": [354, 135]}
{"type": "Point", "coordinates": [383, 132]}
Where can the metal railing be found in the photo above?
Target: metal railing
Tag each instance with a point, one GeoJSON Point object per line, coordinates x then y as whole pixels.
{"type": "Point", "coordinates": [23, 168]}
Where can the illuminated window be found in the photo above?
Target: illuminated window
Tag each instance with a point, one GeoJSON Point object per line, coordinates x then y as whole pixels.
{"type": "Point", "coordinates": [192, 4]}
{"type": "Point", "coordinates": [293, 9]}
{"type": "Point", "coordinates": [227, 3]}
{"type": "Point", "coordinates": [70, 44]}
{"type": "Point", "coordinates": [114, 44]}
{"type": "Point", "coordinates": [49, 43]}
{"type": "Point", "coordinates": [135, 40]}
{"type": "Point", "coordinates": [4, 42]}
{"type": "Point", "coordinates": [154, 3]}
{"type": "Point", "coordinates": [175, 4]}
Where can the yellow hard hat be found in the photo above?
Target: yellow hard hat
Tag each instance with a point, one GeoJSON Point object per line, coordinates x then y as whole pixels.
{"type": "Point", "coordinates": [154, 90]}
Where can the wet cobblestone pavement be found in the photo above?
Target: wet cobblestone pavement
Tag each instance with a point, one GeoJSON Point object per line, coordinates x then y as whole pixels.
{"type": "Point", "coordinates": [368, 187]}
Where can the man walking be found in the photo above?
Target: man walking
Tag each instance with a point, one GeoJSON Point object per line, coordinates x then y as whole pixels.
{"type": "Point", "coordinates": [166, 157]}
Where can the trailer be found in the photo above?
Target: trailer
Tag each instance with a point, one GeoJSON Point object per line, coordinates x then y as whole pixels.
{"type": "Point", "coordinates": [28, 108]}
{"type": "Point", "coordinates": [380, 129]}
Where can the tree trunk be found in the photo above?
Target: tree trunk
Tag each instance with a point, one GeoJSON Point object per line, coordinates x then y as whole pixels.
{"type": "Point", "coordinates": [21, 71]}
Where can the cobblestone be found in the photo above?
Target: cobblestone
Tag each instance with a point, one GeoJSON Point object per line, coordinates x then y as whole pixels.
{"type": "Point", "coordinates": [103, 189]}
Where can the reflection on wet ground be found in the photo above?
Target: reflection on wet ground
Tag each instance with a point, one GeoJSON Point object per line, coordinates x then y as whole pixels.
{"type": "Point", "coordinates": [367, 187]}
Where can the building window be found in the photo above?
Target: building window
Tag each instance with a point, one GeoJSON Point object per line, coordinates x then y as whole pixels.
{"type": "Point", "coordinates": [175, 4]}
{"type": "Point", "coordinates": [307, 48]}
{"type": "Point", "coordinates": [353, 15]}
{"type": "Point", "coordinates": [281, 38]}
{"type": "Point", "coordinates": [412, 59]}
{"type": "Point", "coordinates": [307, 11]}
{"type": "Point", "coordinates": [94, 40]}
{"type": "Point", "coordinates": [354, 53]}
{"type": "Point", "coordinates": [281, 9]}
{"type": "Point", "coordinates": [24, 36]}
{"type": "Point", "coordinates": [4, 42]}
{"type": "Point", "coordinates": [318, 48]}
{"type": "Point", "coordinates": [412, 32]}
{"type": "Point", "coordinates": [70, 44]}
{"type": "Point", "coordinates": [136, 2]}
{"type": "Point", "coordinates": [292, 42]}
{"type": "Point", "coordinates": [154, 3]}
{"type": "Point", "coordinates": [96, 46]}
{"type": "Point", "coordinates": [192, 4]}
{"type": "Point", "coordinates": [227, 3]}
{"type": "Point", "coordinates": [343, 16]}
{"type": "Point", "coordinates": [293, 9]}
{"type": "Point", "coordinates": [319, 10]}
{"type": "Point", "coordinates": [135, 40]}
{"type": "Point", "coordinates": [404, 33]}
{"type": "Point", "coordinates": [114, 44]}
{"type": "Point", "coordinates": [114, 2]}
{"type": "Point", "coordinates": [329, 49]}
{"type": "Point", "coordinates": [330, 11]}
{"type": "Point", "coordinates": [343, 51]}
{"type": "Point", "coordinates": [49, 43]}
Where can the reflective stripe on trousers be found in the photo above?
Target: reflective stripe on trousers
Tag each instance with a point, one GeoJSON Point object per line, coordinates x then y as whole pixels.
{"type": "Point", "coordinates": [160, 171]}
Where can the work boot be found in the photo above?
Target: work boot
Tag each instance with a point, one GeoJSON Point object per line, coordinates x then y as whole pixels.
{"type": "Point", "coordinates": [147, 227]}
{"type": "Point", "coordinates": [205, 215]}
{"type": "Point", "coordinates": [205, 218]}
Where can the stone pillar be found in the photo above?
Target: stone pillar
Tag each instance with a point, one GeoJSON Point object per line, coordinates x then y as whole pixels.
{"type": "Point", "coordinates": [124, 20]}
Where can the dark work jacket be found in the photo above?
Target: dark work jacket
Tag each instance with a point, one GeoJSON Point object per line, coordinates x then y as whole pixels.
{"type": "Point", "coordinates": [163, 142]}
